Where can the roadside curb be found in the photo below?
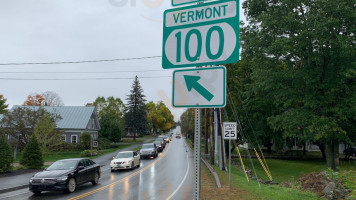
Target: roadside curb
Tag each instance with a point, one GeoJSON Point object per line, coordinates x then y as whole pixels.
{"type": "Point", "coordinates": [13, 188]}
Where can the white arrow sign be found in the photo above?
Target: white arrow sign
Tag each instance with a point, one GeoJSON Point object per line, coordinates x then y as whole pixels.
{"type": "Point", "coordinates": [199, 88]}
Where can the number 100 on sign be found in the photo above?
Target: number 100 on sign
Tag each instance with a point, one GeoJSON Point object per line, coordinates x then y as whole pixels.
{"type": "Point", "coordinates": [204, 34]}
{"type": "Point", "coordinates": [230, 130]}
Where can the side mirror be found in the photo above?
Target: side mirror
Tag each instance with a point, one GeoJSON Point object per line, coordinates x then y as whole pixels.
{"type": "Point", "coordinates": [80, 167]}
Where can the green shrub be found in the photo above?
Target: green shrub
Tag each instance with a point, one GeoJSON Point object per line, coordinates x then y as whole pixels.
{"type": "Point", "coordinates": [104, 143]}
{"type": "Point", "coordinates": [6, 157]}
{"type": "Point", "coordinates": [85, 140]}
{"type": "Point", "coordinates": [66, 146]}
{"type": "Point", "coordinates": [89, 153]}
{"type": "Point", "coordinates": [32, 155]}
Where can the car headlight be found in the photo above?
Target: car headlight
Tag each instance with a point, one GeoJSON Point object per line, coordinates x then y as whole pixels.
{"type": "Point", "coordinates": [62, 178]}
{"type": "Point", "coordinates": [31, 180]}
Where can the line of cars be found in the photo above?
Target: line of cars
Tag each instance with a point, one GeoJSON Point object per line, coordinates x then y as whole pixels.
{"type": "Point", "coordinates": [131, 159]}
{"type": "Point", "coordinates": [67, 174]}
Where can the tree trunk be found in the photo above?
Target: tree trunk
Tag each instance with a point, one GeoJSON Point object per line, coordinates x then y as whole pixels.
{"type": "Point", "coordinates": [304, 149]}
{"type": "Point", "coordinates": [212, 139]}
{"type": "Point", "coordinates": [332, 154]}
{"type": "Point", "coordinates": [322, 150]}
{"type": "Point", "coordinates": [206, 130]}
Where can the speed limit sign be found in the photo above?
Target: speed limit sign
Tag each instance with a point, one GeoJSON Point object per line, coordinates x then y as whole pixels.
{"type": "Point", "coordinates": [230, 131]}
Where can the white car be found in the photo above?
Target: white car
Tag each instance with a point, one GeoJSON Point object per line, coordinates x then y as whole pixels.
{"type": "Point", "coordinates": [125, 160]}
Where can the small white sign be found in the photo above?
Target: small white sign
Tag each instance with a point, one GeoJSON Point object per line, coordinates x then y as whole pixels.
{"type": "Point", "coordinates": [199, 88]}
{"type": "Point", "coordinates": [230, 130]}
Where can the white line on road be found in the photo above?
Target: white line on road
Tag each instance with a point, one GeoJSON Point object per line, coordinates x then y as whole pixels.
{"type": "Point", "coordinates": [181, 183]}
{"type": "Point", "coordinates": [13, 195]}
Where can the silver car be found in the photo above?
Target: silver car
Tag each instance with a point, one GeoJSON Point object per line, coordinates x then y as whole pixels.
{"type": "Point", "coordinates": [148, 150]}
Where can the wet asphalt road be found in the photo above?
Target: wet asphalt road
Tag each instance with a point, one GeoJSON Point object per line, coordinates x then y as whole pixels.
{"type": "Point", "coordinates": [169, 176]}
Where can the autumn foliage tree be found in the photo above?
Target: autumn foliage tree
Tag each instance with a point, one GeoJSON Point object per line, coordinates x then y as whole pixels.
{"type": "Point", "coordinates": [48, 98]}
{"type": "Point", "coordinates": [34, 100]}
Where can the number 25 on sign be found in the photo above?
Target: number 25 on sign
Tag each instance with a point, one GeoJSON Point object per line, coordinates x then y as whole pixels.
{"type": "Point", "coordinates": [230, 130]}
{"type": "Point", "coordinates": [204, 34]}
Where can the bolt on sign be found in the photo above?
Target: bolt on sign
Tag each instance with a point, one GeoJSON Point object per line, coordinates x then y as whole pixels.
{"type": "Point", "coordinates": [203, 34]}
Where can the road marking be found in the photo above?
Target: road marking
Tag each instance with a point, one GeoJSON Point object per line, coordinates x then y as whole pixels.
{"type": "Point", "coordinates": [14, 195]}
{"type": "Point", "coordinates": [121, 180]}
{"type": "Point", "coordinates": [181, 183]}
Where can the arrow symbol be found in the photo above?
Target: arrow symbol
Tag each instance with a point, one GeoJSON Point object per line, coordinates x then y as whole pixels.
{"type": "Point", "coordinates": [192, 82]}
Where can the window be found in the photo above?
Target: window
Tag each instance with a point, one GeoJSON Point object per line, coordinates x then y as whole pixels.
{"type": "Point", "coordinates": [87, 163]}
{"type": "Point", "coordinates": [64, 138]}
{"type": "Point", "coordinates": [74, 138]}
{"type": "Point", "coordinates": [81, 163]}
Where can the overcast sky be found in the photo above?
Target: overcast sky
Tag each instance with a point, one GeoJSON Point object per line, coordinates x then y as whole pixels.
{"type": "Point", "coordinates": [66, 30]}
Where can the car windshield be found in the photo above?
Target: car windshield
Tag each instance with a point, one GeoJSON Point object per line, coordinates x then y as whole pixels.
{"type": "Point", "coordinates": [147, 146]}
{"type": "Point", "coordinates": [124, 155]}
{"type": "Point", "coordinates": [158, 143]}
{"type": "Point", "coordinates": [63, 165]}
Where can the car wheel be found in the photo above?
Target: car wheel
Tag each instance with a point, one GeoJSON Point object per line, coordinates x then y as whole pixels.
{"type": "Point", "coordinates": [139, 163]}
{"type": "Point", "coordinates": [37, 192]}
{"type": "Point", "coordinates": [71, 186]}
{"type": "Point", "coordinates": [96, 178]}
{"type": "Point", "coordinates": [132, 165]}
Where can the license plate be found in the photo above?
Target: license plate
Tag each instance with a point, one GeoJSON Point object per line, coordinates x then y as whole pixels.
{"type": "Point", "coordinates": [118, 166]}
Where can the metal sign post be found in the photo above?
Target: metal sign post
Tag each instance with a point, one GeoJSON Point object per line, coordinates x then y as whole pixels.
{"type": "Point", "coordinates": [197, 154]}
{"type": "Point", "coordinates": [230, 133]}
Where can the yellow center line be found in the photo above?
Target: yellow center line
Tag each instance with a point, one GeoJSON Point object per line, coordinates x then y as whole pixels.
{"type": "Point", "coordinates": [121, 180]}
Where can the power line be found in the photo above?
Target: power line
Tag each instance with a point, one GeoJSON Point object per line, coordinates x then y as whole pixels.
{"type": "Point", "coordinates": [78, 72]}
{"type": "Point", "coordinates": [80, 79]}
{"type": "Point", "coordinates": [83, 61]}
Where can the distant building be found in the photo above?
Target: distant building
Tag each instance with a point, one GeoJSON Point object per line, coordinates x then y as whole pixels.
{"type": "Point", "coordinates": [75, 121]}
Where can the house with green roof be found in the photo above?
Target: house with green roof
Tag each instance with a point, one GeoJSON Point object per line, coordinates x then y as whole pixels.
{"type": "Point", "coordinates": [75, 121]}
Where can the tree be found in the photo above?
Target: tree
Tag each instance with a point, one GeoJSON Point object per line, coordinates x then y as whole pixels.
{"type": "Point", "coordinates": [112, 128]}
{"type": "Point", "coordinates": [85, 141]}
{"type": "Point", "coordinates": [3, 105]}
{"type": "Point", "coordinates": [48, 98]}
{"type": "Point", "coordinates": [19, 123]}
{"type": "Point", "coordinates": [49, 138]}
{"type": "Point", "coordinates": [136, 114]}
{"type": "Point", "coordinates": [52, 99]}
{"type": "Point", "coordinates": [111, 114]}
{"type": "Point", "coordinates": [34, 100]}
{"type": "Point", "coordinates": [6, 157]}
{"type": "Point", "coordinates": [159, 116]}
{"type": "Point", "coordinates": [32, 155]}
{"type": "Point", "coordinates": [303, 57]}
{"type": "Point", "coordinates": [111, 104]}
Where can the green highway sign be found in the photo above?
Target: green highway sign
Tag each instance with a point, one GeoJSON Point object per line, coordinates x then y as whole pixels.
{"type": "Point", "coordinates": [203, 34]}
{"type": "Point", "coordinates": [199, 88]}
{"type": "Point", "coordinates": [183, 2]}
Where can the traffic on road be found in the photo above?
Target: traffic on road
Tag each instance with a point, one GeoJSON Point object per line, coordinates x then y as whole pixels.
{"type": "Point", "coordinates": [145, 174]}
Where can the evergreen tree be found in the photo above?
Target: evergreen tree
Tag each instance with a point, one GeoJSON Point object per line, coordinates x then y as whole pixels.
{"type": "Point", "coordinates": [136, 113]}
{"type": "Point", "coordinates": [6, 157]}
{"type": "Point", "coordinates": [3, 106]}
{"type": "Point", "coordinates": [32, 154]}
